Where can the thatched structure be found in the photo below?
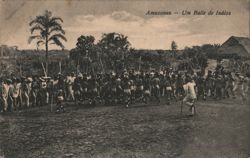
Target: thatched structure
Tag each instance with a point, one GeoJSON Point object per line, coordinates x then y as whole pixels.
{"type": "Point", "coordinates": [236, 46]}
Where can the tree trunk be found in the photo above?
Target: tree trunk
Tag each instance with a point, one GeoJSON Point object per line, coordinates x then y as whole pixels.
{"type": "Point", "coordinates": [60, 67]}
{"type": "Point", "coordinates": [47, 56]}
{"type": "Point", "coordinates": [44, 71]}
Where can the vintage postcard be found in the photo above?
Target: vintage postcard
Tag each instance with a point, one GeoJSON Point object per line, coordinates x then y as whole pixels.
{"type": "Point", "coordinates": [124, 78]}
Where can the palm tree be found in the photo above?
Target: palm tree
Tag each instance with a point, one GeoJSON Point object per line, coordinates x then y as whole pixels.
{"type": "Point", "coordinates": [46, 29]}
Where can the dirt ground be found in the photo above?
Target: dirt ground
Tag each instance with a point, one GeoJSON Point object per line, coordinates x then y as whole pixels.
{"type": "Point", "coordinates": [221, 129]}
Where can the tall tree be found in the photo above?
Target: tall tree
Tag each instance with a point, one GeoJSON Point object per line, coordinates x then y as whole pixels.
{"type": "Point", "coordinates": [86, 46]}
{"type": "Point", "coordinates": [47, 29]}
{"type": "Point", "coordinates": [85, 51]}
{"type": "Point", "coordinates": [115, 48]}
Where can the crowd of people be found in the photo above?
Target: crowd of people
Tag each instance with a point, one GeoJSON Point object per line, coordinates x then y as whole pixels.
{"type": "Point", "coordinates": [125, 88]}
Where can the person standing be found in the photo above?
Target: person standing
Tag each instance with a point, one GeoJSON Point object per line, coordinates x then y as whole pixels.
{"type": "Point", "coordinates": [241, 87]}
{"type": "Point", "coordinates": [168, 89]}
{"type": "Point", "coordinates": [77, 88]}
{"type": "Point", "coordinates": [26, 90]}
{"type": "Point", "coordinates": [210, 84]}
{"type": "Point", "coordinates": [5, 94]}
{"type": "Point", "coordinates": [15, 94]}
{"type": "Point", "coordinates": [190, 97]}
{"type": "Point", "coordinates": [179, 86]}
{"type": "Point", "coordinates": [156, 87]}
{"type": "Point", "coordinates": [1, 92]}
{"type": "Point", "coordinates": [201, 84]}
{"type": "Point", "coordinates": [126, 90]}
{"type": "Point", "coordinates": [34, 90]}
{"type": "Point", "coordinates": [146, 89]}
{"type": "Point", "coordinates": [69, 87]}
{"type": "Point", "coordinates": [59, 101]}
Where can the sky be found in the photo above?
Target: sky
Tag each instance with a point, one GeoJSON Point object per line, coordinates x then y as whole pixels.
{"type": "Point", "coordinates": [95, 17]}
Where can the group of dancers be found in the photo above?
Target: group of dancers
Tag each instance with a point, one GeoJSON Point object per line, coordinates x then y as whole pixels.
{"type": "Point", "coordinates": [125, 88]}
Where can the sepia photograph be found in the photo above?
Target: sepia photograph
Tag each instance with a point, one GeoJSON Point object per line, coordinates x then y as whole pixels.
{"type": "Point", "coordinates": [124, 79]}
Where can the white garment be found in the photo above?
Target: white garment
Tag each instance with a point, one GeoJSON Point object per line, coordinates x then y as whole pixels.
{"type": "Point", "coordinates": [5, 92]}
{"type": "Point", "coordinates": [16, 90]}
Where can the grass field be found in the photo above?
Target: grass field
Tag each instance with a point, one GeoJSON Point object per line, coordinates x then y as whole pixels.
{"type": "Point", "coordinates": [221, 129]}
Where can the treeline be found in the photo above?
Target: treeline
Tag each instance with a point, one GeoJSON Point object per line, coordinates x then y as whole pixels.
{"type": "Point", "coordinates": [114, 52]}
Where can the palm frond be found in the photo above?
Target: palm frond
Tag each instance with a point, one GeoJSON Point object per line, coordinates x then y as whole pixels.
{"type": "Point", "coordinates": [36, 27]}
{"type": "Point", "coordinates": [40, 42]}
{"type": "Point", "coordinates": [57, 29]}
{"type": "Point", "coordinates": [31, 38]}
{"type": "Point", "coordinates": [57, 42]}
{"type": "Point", "coordinates": [38, 20]}
{"type": "Point", "coordinates": [54, 24]}
{"type": "Point", "coordinates": [57, 36]}
{"type": "Point", "coordinates": [56, 19]}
